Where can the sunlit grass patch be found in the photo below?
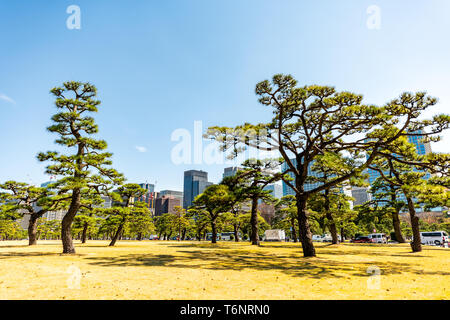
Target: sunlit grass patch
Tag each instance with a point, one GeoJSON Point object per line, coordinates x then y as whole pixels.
{"type": "Point", "coordinates": [227, 270]}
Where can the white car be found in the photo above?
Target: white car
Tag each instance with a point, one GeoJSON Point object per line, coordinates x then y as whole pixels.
{"type": "Point", "coordinates": [378, 237]}
{"type": "Point", "coordinates": [324, 238]}
{"type": "Point", "coordinates": [434, 237]}
{"type": "Point", "coordinates": [317, 237]}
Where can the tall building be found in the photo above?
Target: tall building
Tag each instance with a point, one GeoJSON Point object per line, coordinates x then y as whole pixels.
{"type": "Point", "coordinates": [166, 204]}
{"type": "Point", "coordinates": [287, 190]}
{"type": "Point", "coordinates": [195, 182]}
{"type": "Point", "coordinates": [149, 197]}
{"type": "Point", "coordinates": [361, 195]}
{"type": "Point", "coordinates": [148, 186]}
{"type": "Point", "coordinates": [422, 148]}
{"type": "Point", "coordinates": [173, 193]}
{"type": "Point", "coordinates": [43, 185]}
{"type": "Point", "coordinates": [275, 189]}
{"type": "Point", "coordinates": [345, 189]}
{"type": "Point", "coordinates": [267, 211]}
{"type": "Point", "coordinates": [230, 171]}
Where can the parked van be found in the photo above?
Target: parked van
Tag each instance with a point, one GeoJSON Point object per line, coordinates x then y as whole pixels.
{"type": "Point", "coordinates": [209, 236]}
{"type": "Point", "coordinates": [228, 236]}
{"type": "Point", "coordinates": [274, 235]}
{"type": "Point", "coordinates": [317, 237]}
{"type": "Point", "coordinates": [378, 237]}
{"type": "Point", "coordinates": [434, 237]}
{"type": "Point", "coordinates": [328, 238]}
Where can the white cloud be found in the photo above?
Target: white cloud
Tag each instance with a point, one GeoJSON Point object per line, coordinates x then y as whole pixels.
{"type": "Point", "coordinates": [4, 97]}
{"type": "Point", "coordinates": [141, 149]}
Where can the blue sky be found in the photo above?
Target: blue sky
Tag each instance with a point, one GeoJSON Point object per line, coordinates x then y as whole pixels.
{"type": "Point", "coordinates": [160, 66]}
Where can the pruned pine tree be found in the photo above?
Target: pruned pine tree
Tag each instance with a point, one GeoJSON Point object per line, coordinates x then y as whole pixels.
{"type": "Point", "coordinates": [215, 200]}
{"type": "Point", "coordinates": [33, 202]}
{"type": "Point", "coordinates": [84, 166]}
{"type": "Point", "coordinates": [331, 201]}
{"type": "Point", "coordinates": [400, 165]}
{"type": "Point", "coordinates": [312, 120]}
{"type": "Point", "coordinates": [124, 207]}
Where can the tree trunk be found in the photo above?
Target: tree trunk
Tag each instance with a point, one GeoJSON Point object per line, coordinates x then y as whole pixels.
{"type": "Point", "coordinates": [254, 237]}
{"type": "Point", "coordinates": [84, 233]}
{"type": "Point", "coordinates": [331, 224]}
{"type": "Point", "coordinates": [32, 230]}
{"type": "Point", "coordinates": [333, 229]}
{"type": "Point", "coordinates": [294, 232]}
{"type": "Point", "coordinates": [66, 224]}
{"type": "Point", "coordinates": [116, 235]}
{"type": "Point", "coordinates": [139, 236]}
{"type": "Point", "coordinates": [305, 231]}
{"type": "Point", "coordinates": [397, 230]}
{"type": "Point", "coordinates": [342, 234]}
{"type": "Point", "coordinates": [236, 232]}
{"type": "Point", "coordinates": [416, 243]}
{"type": "Point", "coordinates": [214, 231]}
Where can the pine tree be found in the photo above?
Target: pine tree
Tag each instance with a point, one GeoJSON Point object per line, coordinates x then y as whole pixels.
{"type": "Point", "coordinates": [84, 167]}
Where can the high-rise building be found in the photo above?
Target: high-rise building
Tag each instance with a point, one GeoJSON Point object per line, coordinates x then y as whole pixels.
{"type": "Point", "coordinates": [148, 186]}
{"type": "Point", "coordinates": [230, 171]}
{"type": "Point", "coordinates": [275, 189]}
{"type": "Point", "coordinates": [166, 204]}
{"type": "Point", "coordinates": [287, 190]}
{"type": "Point", "coordinates": [43, 185]}
{"type": "Point", "coordinates": [361, 195]}
{"type": "Point", "coordinates": [195, 182]}
{"type": "Point", "coordinates": [422, 148]}
{"type": "Point", "coordinates": [149, 197]}
{"type": "Point", "coordinates": [173, 193]}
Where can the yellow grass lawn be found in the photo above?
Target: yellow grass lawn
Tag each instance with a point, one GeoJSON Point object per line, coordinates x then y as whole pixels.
{"type": "Point", "coordinates": [192, 270]}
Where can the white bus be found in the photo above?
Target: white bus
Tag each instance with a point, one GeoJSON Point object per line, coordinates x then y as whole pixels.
{"type": "Point", "coordinates": [434, 237]}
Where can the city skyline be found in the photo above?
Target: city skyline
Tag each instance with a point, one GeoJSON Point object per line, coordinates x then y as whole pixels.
{"type": "Point", "coordinates": [213, 60]}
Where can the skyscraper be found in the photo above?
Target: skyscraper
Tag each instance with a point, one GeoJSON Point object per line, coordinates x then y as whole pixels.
{"type": "Point", "coordinates": [166, 204]}
{"type": "Point", "coordinates": [173, 193]}
{"type": "Point", "coordinates": [148, 186]}
{"type": "Point", "coordinates": [230, 171]}
{"type": "Point", "coordinates": [422, 148]}
{"type": "Point", "coordinates": [149, 197]}
{"type": "Point", "coordinates": [308, 186]}
{"type": "Point", "coordinates": [275, 189]}
{"type": "Point", "coordinates": [195, 182]}
{"type": "Point", "coordinates": [361, 195]}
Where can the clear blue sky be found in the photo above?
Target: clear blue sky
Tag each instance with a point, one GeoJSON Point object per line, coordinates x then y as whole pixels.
{"type": "Point", "coordinates": [161, 65]}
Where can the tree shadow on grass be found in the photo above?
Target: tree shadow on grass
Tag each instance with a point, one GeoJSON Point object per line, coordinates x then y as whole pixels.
{"type": "Point", "coordinates": [14, 246]}
{"type": "Point", "coordinates": [159, 260]}
{"type": "Point", "coordinates": [240, 260]}
{"type": "Point", "coordinates": [6, 255]}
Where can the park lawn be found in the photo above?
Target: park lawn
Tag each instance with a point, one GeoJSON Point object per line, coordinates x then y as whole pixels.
{"type": "Point", "coordinates": [227, 270]}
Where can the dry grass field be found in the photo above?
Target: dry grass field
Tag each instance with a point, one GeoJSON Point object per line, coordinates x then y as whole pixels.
{"type": "Point", "coordinates": [192, 270]}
